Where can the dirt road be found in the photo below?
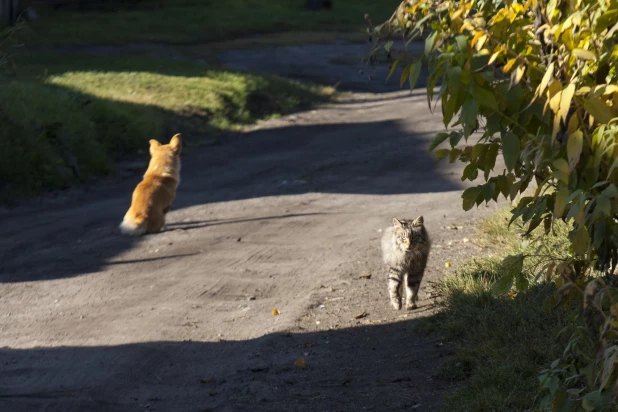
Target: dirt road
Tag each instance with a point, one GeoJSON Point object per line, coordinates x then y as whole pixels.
{"type": "Point", "coordinates": [286, 216]}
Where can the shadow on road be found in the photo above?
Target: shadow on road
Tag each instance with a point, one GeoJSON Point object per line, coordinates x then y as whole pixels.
{"type": "Point", "coordinates": [387, 157]}
{"type": "Point", "coordinates": [378, 367]}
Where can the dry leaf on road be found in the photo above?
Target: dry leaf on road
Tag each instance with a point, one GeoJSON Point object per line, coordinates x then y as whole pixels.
{"type": "Point", "coordinates": [300, 363]}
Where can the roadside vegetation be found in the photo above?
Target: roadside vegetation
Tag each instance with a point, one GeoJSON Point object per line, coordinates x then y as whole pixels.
{"type": "Point", "coordinates": [195, 21]}
{"type": "Point", "coordinates": [534, 82]}
{"type": "Point", "coordinates": [503, 342]}
{"type": "Point", "coordinates": [69, 114]}
{"type": "Point", "coordinates": [67, 117]}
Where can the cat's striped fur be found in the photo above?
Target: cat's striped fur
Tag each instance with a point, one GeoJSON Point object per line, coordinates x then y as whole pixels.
{"type": "Point", "coordinates": [405, 249]}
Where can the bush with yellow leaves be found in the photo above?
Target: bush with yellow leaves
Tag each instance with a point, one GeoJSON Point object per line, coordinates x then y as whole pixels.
{"type": "Point", "coordinates": [535, 82]}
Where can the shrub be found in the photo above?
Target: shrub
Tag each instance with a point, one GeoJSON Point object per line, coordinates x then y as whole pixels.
{"type": "Point", "coordinates": [534, 81]}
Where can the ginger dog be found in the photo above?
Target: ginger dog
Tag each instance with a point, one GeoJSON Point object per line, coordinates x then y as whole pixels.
{"type": "Point", "coordinates": [153, 196]}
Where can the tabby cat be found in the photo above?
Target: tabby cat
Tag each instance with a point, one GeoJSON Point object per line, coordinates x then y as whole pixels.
{"type": "Point", "coordinates": [405, 249]}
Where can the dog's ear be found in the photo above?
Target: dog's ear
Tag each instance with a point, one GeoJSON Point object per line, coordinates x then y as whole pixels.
{"type": "Point", "coordinates": [176, 144]}
{"type": "Point", "coordinates": [397, 223]}
{"type": "Point", "coordinates": [419, 221]}
{"type": "Point", "coordinates": [154, 144]}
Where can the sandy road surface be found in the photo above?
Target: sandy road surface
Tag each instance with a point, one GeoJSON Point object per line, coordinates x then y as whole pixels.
{"type": "Point", "coordinates": [285, 216]}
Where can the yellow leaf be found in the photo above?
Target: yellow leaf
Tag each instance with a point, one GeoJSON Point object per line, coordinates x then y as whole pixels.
{"type": "Point", "coordinates": [583, 54]}
{"type": "Point", "coordinates": [476, 38]}
{"type": "Point", "coordinates": [561, 28]}
{"type": "Point", "coordinates": [275, 312]}
{"type": "Point", "coordinates": [517, 8]}
{"type": "Point", "coordinates": [466, 26]}
{"type": "Point", "coordinates": [457, 14]}
{"type": "Point", "coordinates": [498, 17]}
{"type": "Point", "coordinates": [517, 75]}
{"type": "Point", "coordinates": [549, 74]}
{"type": "Point", "coordinates": [481, 42]}
{"type": "Point", "coordinates": [300, 363]}
{"type": "Point", "coordinates": [549, 11]}
{"type": "Point", "coordinates": [509, 65]}
{"type": "Point", "coordinates": [479, 22]}
{"type": "Point", "coordinates": [448, 264]}
{"type": "Point", "coordinates": [583, 90]}
{"type": "Point", "coordinates": [416, 6]}
{"type": "Point", "coordinates": [565, 100]}
{"type": "Point", "coordinates": [605, 89]}
{"type": "Point", "coordinates": [484, 52]}
{"type": "Point", "coordinates": [494, 57]}
{"type": "Point", "coordinates": [554, 93]}
{"type": "Point", "coordinates": [567, 39]}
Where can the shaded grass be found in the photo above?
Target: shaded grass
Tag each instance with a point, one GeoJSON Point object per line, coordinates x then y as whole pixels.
{"type": "Point", "coordinates": [68, 116]}
{"type": "Point", "coordinates": [501, 342]}
{"type": "Point", "coordinates": [183, 21]}
{"type": "Point", "coordinates": [502, 240]}
{"type": "Point", "coordinates": [52, 138]}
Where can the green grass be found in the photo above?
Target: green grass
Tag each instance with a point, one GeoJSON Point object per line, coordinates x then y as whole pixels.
{"type": "Point", "coordinates": [184, 21]}
{"type": "Point", "coordinates": [67, 116]}
{"type": "Point", "coordinates": [501, 342]}
{"type": "Point", "coordinates": [222, 99]}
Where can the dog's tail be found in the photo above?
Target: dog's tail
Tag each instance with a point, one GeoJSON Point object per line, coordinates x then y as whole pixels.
{"type": "Point", "coordinates": [132, 227]}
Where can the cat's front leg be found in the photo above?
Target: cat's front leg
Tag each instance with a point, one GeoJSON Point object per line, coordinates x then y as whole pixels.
{"type": "Point", "coordinates": [413, 283]}
{"type": "Point", "coordinates": [394, 288]}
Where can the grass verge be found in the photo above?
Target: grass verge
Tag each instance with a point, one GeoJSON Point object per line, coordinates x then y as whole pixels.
{"type": "Point", "coordinates": [183, 21]}
{"type": "Point", "coordinates": [502, 342]}
{"type": "Point", "coordinates": [68, 116]}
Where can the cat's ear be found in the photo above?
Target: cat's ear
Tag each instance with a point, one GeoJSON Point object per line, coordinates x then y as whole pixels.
{"type": "Point", "coordinates": [419, 221]}
{"type": "Point", "coordinates": [397, 223]}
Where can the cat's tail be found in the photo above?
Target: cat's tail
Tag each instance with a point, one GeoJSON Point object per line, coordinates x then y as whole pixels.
{"type": "Point", "coordinates": [132, 227]}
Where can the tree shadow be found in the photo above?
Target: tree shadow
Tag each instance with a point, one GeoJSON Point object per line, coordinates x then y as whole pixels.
{"type": "Point", "coordinates": [78, 234]}
{"type": "Point", "coordinates": [340, 63]}
{"type": "Point", "coordinates": [369, 367]}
